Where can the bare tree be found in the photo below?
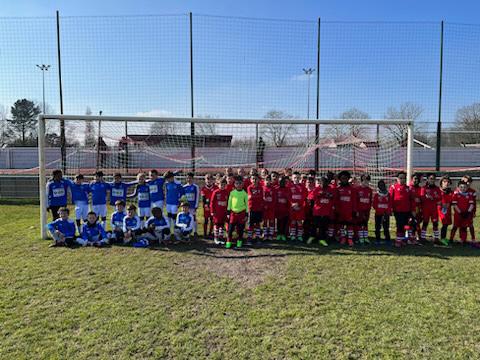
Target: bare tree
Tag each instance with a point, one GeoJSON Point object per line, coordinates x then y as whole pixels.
{"type": "Point", "coordinates": [277, 133]}
{"type": "Point", "coordinates": [406, 111]}
{"type": "Point", "coordinates": [162, 128]}
{"type": "Point", "coordinates": [338, 132]}
{"type": "Point", "coordinates": [4, 131]}
{"type": "Point", "coordinates": [90, 136]}
{"type": "Point", "coordinates": [206, 128]}
{"type": "Point", "coordinates": [467, 120]}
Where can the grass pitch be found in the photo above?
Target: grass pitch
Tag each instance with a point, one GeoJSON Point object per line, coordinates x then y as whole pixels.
{"type": "Point", "coordinates": [199, 301]}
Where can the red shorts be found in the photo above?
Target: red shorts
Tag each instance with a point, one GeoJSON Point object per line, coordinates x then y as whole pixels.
{"type": "Point", "coordinates": [269, 215]}
{"type": "Point", "coordinates": [363, 217]}
{"type": "Point", "coordinates": [297, 215]}
{"type": "Point", "coordinates": [344, 217]}
{"type": "Point", "coordinates": [220, 220]}
{"type": "Point", "coordinates": [459, 221]}
{"type": "Point", "coordinates": [238, 218]}
{"type": "Point", "coordinates": [207, 214]}
{"type": "Point", "coordinates": [430, 213]}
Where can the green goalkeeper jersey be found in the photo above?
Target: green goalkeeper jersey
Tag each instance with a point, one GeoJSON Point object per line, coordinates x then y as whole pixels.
{"type": "Point", "coordinates": [238, 201]}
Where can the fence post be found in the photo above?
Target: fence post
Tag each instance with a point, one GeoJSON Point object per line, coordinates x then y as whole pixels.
{"type": "Point", "coordinates": [192, 125]}
{"type": "Point", "coordinates": [63, 149]}
{"type": "Point", "coordinates": [439, 122]}
{"type": "Point", "coordinates": [317, 127]}
{"type": "Point", "coordinates": [409, 151]}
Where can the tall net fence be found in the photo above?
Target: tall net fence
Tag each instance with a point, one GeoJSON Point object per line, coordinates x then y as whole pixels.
{"type": "Point", "coordinates": [225, 67]}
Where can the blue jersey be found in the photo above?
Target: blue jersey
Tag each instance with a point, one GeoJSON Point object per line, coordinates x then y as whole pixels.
{"type": "Point", "coordinates": [192, 193]}
{"type": "Point", "coordinates": [117, 219]}
{"type": "Point", "coordinates": [156, 189]}
{"type": "Point", "coordinates": [142, 192]}
{"type": "Point", "coordinates": [66, 227]}
{"type": "Point", "coordinates": [131, 223]}
{"type": "Point", "coordinates": [57, 193]}
{"type": "Point", "coordinates": [99, 192]}
{"type": "Point", "coordinates": [79, 192]}
{"type": "Point", "coordinates": [160, 223]}
{"type": "Point", "coordinates": [118, 191]}
{"type": "Point", "coordinates": [184, 221]}
{"type": "Point", "coordinates": [174, 192]}
{"type": "Point", "coordinates": [92, 230]}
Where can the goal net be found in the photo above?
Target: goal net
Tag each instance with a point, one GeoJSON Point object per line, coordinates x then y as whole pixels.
{"type": "Point", "coordinates": [129, 145]}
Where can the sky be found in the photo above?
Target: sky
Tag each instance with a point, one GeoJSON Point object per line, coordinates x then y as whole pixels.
{"type": "Point", "coordinates": [133, 57]}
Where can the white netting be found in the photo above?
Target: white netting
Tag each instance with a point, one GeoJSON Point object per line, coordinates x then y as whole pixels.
{"type": "Point", "coordinates": [131, 147]}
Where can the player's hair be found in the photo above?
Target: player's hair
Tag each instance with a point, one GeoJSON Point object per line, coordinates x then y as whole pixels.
{"type": "Point", "coordinates": [446, 177]}
{"type": "Point", "coordinates": [168, 174]}
{"type": "Point", "coordinates": [230, 174]}
{"type": "Point", "coordinates": [119, 202]}
{"type": "Point", "coordinates": [468, 178]}
{"type": "Point", "coordinates": [254, 175]}
{"type": "Point", "coordinates": [365, 177]}
{"type": "Point", "coordinates": [461, 182]}
{"type": "Point", "coordinates": [99, 173]}
{"type": "Point", "coordinates": [311, 179]}
{"type": "Point", "coordinates": [191, 174]}
{"type": "Point", "coordinates": [312, 172]}
{"type": "Point", "coordinates": [283, 181]}
{"type": "Point", "coordinates": [154, 171]}
{"type": "Point", "coordinates": [140, 174]}
{"type": "Point", "coordinates": [295, 173]}
{"type": "Point", "coordinates": [401, 173]}
{"type": "Point", "coordinates": [208, 176]}
{"type": "Point", "coordinates": [157, 211]}
{"type": "Point", "coordinates": [287, 169]}
{"type": "Point", "coordinates": [132, 207]}
{"type": "Point", "coordinates": [324, 180]}
{"type": "Point", "coordinates": [253, 171]}
{"type": "Point", "coordinates": [344, 173]}
{"type": "Point", "coordinates": [56, 172]}
{"type": "Point", "coordinates": [431, 174]}
{"type": "Point", "coordinates": [92, 213]}
{"type": "Point", "coordinates": [238, 179]}
{"type": "Point", "coordinates": [275, 173]}
{"type": "Point", "coordinates": [265, 170]}
{"type": "Point", "coordinates": [330, 175]}
{"type": "Point", "coordinates": [79, 177]}
{"type": "Point", "coordinates": [417, 175]}
{"type": "Point", "coordinates": [223, 180]}
{"type": "Point", "coordinates": [64, 209]}
{"type": "Point", "coordinates": [117, 175]}
{"type": "Point", "coordinates": [381, 181]}
{"type": "Point", "coordinates": [185, 203]}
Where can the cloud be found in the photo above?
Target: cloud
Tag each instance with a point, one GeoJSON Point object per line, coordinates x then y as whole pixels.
{"type": "Point", "coordinates": [300, 77]}
{"type": "Point", "coordinates": [155, 113]}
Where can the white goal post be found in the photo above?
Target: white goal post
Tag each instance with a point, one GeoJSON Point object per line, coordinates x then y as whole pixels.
{"type": "Point", "coordinates": [131, 144]}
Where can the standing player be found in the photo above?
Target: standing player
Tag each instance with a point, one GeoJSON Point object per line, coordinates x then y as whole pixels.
{"type": "Point", "coordinates": [345, 207]}
{"type": "Point", "coordinates": [308, 225]}
{"type": "Point", "coordinates": [56, 193]}
{"type": "Point", "coordinates": [155, 184]}
{"type": "Point", "coordinates": [282, 208]}
{"type": "Point", "coordinates": [383, 209]}
{"type": "Point", "coordinates": [173, 193]}
{"type": "Point", "coordinates": [431, 199]}
{"type": "Point", "coordinates": [298, 194]}
{"type": "Point", "coordinates": [79, 192]}
{"type": "Point", "coordinates": [118, 189]}
{"type": "Point", "coordinates": [218, 208]}
{"type": "Point", "coordinates": [99, 188]}
{"type": "Point", "coordinates": [403, 207]}
{"type": "Point", "coordinates": [237, 209]}
{"type": "Point", "coordinates": [206, 194]}
{"type": "Point", "coordinates": [322, 201]}
{"type": "Point", "coordinates": [364, 198]}
{"type": "Point", "coordinates": [463, 205]}
{"type": "Point", "coordinates": [445, 208]}
{"type": "Point", "coordinates": [142, 192]}
{"type": "Point", "coordinates": [416, 220]}
{"type": "Point", "coordinates": [192, 194]}
{"type": "Point", "coordinates": [268, 209]}
{"type": "Point", "coordinates": [256, 207]}
{"type": "Point", "coordinates": [468, 180]}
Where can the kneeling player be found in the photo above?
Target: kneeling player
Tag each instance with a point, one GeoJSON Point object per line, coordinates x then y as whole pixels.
{"type": "Point", "coordinates": [116, 221]}
{"type": "Point", "coordinates": [62, 229]}
{"type": "Point", "coordinates": [184, 223]}
{"type": "Point", "coordinates": [131, 225]}
{"type": "Point", "coordinates": [157, 227]}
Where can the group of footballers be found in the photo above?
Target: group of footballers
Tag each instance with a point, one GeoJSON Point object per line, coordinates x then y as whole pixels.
{"type": "Point", "coordinates": [282, 206]}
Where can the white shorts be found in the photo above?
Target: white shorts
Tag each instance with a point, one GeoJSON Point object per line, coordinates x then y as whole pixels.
{"type": "Point", "coordinates": [143, 212]}
{"type": "Point", "coordinates": [100, 210]}
{"type": "Point", "coordinates": [158, 204]}
{"type": "Point", "coordinates": [81, 210]}
{"type": "Point", "coordinates": [172, 209]}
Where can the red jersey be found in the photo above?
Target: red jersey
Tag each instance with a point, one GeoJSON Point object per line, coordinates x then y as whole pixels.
{"type": "Point", "coordinates": [445, 208]}
{"type": "Point", "coordinates": [246, 183]}
{"type": "Point", "coordinates": [230, 187]}
{"type": "Point", "coordinates": [323, 199]}
{"type": "Point", "coordinates": [473, 193]}
{"type": "Point", "coordinates": [364, 198]}
{"type": "Point", "coordinates": [417, 197]}
{"type": "Point", "coordinates": [268, 202]}
{"type": "Point", "coordinates": [345, 201]}
{"type": "Point", "coordinates": [402, 198]}
{"type": "Point", "coordinates": [382, 204]}
{"type": "Point", "coordinates": [219, 203]}
{"type": "Point", "coordinates": [431, 197]}
{"type": "Point", "coordinates": [206, 194]}
{"type": "Point", "coordinates": [255, 198]}
{"type": "Point", "coordinates": [282, 201]}
{"type": "Point", "coordinates": [463, 200]}
{"type": "Point", "coordinates": [298, 194]}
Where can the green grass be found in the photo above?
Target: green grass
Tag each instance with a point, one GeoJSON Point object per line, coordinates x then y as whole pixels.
{"type": "Point", "coordinates": [191, 302]}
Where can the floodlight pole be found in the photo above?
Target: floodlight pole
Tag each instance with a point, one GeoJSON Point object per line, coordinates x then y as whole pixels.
{"type": "Point", "coordinates": [63, 149]}
{"type": "Point", "coordinates": [439, 122]}
{"type": "Point", "coordinates": [309, 73]}
{"type": "Point", "coordinates": [43, 68]}
{"type": "Point", "coordinates": [192, 124]}
{"type": "Point", "coordinates": [317, 127]}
